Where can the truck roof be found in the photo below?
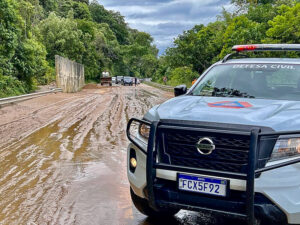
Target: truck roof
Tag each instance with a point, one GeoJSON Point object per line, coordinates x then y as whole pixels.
{"type": "Point", "coordinates": [262, 60]}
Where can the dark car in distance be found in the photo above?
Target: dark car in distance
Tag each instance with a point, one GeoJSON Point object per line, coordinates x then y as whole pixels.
{"type": "Point", "coordinates": [127, 81]}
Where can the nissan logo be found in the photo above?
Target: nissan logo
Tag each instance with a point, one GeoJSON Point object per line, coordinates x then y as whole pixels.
{"type": "Point", "coordinates": [205, 146]}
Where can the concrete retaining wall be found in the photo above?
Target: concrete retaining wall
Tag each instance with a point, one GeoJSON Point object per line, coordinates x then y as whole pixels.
{"type": "Point", "coordinates": [69, 74]}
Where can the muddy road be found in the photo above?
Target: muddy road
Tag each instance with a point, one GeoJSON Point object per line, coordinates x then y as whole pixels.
{"type": "Point", "coordinates": [63, 158]}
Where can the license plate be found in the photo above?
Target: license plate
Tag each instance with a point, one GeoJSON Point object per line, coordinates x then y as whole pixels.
{"type": "Point", "coordinates": [203, 185]}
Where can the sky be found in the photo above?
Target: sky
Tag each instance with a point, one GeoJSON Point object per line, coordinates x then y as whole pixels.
{"type": "Point", "coordinates": [166, 19]}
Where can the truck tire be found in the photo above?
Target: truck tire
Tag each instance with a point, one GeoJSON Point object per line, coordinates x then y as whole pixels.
{"type": "Point", "coordinates": [142, 206]}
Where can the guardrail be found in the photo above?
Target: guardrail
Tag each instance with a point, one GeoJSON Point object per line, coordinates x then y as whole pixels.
{"type": "Point", "coordinates": [14, 99]}
{"type": "Point", "coordinates": [163, 87]}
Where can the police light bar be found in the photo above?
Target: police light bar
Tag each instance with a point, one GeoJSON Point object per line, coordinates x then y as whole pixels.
{"type": "Point", "coordinates": [266, 47]}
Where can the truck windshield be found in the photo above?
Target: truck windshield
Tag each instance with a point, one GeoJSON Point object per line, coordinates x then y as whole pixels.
{"type": "Point", "coordinates": [266, 81]}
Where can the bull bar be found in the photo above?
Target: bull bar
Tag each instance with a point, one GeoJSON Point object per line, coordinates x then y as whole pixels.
{"type": "Point", "coordinates": [249, 177]}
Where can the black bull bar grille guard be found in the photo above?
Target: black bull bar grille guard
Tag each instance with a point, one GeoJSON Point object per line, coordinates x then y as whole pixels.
{"type": "Point", "coordinates": [255, 135]}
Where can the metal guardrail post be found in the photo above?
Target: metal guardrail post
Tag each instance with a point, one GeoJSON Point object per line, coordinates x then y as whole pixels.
{"type": "Point", "coordinates": [13, 99]}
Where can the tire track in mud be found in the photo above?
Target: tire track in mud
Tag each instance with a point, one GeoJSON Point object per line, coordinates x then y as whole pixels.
{"type": "Point", "coordinates": [35, 112]}
{"type": "Point", "coordinates": [102, 138]}
{"type": "Point", "coordinates": [108, 143]}
{"type": "Point", "coordinates": [63, 173]}
{"type": "Point", "coordinates": [27, 163]}
{"type": "Point", "coordinates": [60, 112]}
{"type": "Point", "coordinates": [73, 129]}
{"type": "Point", "coordinates": [143, 101]}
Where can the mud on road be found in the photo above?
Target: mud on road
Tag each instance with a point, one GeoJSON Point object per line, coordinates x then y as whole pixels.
{"type": "Point", "coordinates": [63, 158]}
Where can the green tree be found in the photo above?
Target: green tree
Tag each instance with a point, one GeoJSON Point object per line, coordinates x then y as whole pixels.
{"type": "Point", "coordinates": [115, 21]}
{"type": "Point", "coordinates": [21, 55]}
{"type": "Point", "coordinates": [182, 75]}
{"type": "Point", "coordinates": [10, 86]}
{"type": "Point", "coordinates": [83, 1]}
{"type": "Point", "coordinates": [241, 31]}
{"type": "Point", "coordinates": [245, 2]}
{"type": "Point", "coordinates": [61, 36]}
{"type": "Point", "coordinates": [30, 63]}
{"type": "Point", "coordinates": [9, 32]}
{"type": "Point", "coordinates": [49, 5]}
{"type": "Point", "coordinates": [285, 28]}
{"type": "Point", "coordinates": [140, 50]}
{"type": "Point", "coordinates": [32, 32]}
{"type": "Point", "coordinates": [63, 8]}
{"type": "Point", "coordinates": [262, 13]}
{"type": "Point", "coordinates": [81, 11]}
{"type": "Point", "coordinates": [149, 65]}
{"type": "Point", "coordinates": [197, 47]}
{"type": "Point", "coordinates": [93, 57]}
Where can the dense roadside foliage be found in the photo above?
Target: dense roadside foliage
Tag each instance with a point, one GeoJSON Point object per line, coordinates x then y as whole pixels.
{"type": "Point", "coordinates": [253, 21]}
{"type": "Point", "coordinates": [32, 32]}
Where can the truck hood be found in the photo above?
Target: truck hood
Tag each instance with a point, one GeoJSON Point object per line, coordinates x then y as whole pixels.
{"type": "Point", "coordinates": [280, 115]}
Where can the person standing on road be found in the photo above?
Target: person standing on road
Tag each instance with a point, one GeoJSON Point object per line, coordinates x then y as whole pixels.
{"type": "Point", "coordinates": [165, 80]}
{"type": "Point", "coordinates": [135, 80]}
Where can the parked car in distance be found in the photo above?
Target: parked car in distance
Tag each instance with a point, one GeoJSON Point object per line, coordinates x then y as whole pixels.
{"type": "Point", "coordinates": [127, 81]}
{"type": "Point", "coordinates": [114, 79]}
{"type": "Point", "coordinates": [119, 79]}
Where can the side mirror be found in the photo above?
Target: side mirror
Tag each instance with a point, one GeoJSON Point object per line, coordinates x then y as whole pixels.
{"type": "Point", "coordinates": [180, 90]}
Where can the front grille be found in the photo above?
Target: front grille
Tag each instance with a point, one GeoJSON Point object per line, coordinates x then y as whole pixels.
{"type": "Point", "coordinates": [231, 153]}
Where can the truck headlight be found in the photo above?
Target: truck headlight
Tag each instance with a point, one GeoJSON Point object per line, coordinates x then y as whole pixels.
{"type": "Point", "coordinates": [144, 130]}
{"type": "Point", "coordinates": [138, 132]}
{"type": "Point", "coordinates": [286, 148]}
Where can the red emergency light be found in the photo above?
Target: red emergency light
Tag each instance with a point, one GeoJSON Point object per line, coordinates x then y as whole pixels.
{"type": "Point", "coordinates": [266, 47]}
{"type": "Point", "coordinates": [242, 48]}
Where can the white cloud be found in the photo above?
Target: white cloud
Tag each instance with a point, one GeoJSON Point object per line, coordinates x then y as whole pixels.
{"type": "Point", "coordinates": [166, 19]}
{"type": "Point", "coordinates": [131, 9]}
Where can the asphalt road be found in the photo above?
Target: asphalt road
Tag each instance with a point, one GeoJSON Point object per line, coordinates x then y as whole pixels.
{"type": "Point", "coordinates": [63, 159]}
